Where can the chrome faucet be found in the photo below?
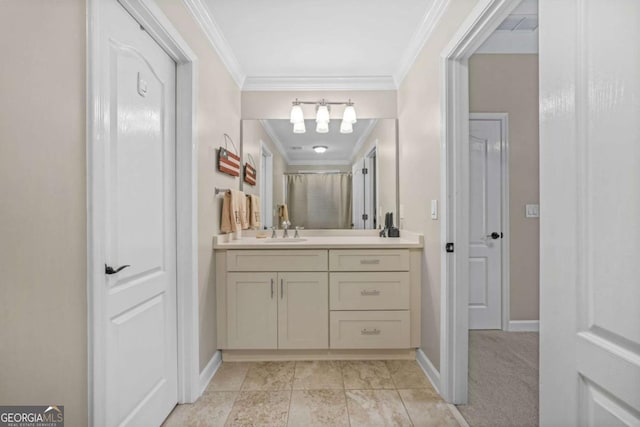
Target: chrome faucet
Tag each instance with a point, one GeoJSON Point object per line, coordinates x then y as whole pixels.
{"type": "Point", "coordinates": [297, 235]}
{"type": "Point", "coordinates": [285, 227]}
{"type": "Point", "coordinates": [273, 232]}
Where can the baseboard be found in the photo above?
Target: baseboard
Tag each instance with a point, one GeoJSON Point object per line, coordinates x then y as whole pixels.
{"type": "Point", "coordinates": [524, 325]}
{"type": "Point", "coordinates": [429, 370]}
{"type": "Point", "coordinates": [210, 370]}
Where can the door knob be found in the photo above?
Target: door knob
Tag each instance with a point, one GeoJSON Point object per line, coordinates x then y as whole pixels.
{"type": "Point", "coordinates": [495, 235]}
{"type": "Point", "coordinates": [110, 270]}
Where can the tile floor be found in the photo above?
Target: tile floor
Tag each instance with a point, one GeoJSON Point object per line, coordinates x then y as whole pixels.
{"type": "Point", "coordinates": [320, 393]}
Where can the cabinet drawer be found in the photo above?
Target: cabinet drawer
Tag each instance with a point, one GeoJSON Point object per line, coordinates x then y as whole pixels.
{"type": "Point", "coordinates": [369, 260]}
{"type": "Point", "coordinates": [369, 329]}
{"type": "Point", "coordinates": [277, 260]}
{"type": "Point", "coordinates": [369, 291]}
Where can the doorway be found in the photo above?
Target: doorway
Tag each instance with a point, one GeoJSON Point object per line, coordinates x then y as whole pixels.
{"type": "Point", "coordinates": [135, 52]}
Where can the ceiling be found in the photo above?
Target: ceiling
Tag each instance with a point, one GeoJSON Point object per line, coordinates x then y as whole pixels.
{"type": "Point", "coordinates": [328, 44]}
{"type": "Point", "coordinates": [298, 148]}
{"type": "Point", "coordinates": [336, 44]}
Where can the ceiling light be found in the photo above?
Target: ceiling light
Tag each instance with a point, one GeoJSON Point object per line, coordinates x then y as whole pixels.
{"type": "Point", "coordinates": [299, 127]}
{"type": "Point", "coordinates": [297, 115]}
{"type": "Point", "coordinates": [349, 114]}
{"type": "Point", "coordinates": [322, 127]}
{"type": "Point", "coordinates": [323, 114]}
{"type": "Point", "coordinates": [346, 127]}
{"type": "Point", "coordinates": [320, 149]}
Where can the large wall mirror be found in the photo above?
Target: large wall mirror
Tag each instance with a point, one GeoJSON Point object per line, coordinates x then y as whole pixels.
{"type": "Point", "coordinates": [349, 182]}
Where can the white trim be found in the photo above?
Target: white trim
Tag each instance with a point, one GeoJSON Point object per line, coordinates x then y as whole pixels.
{"type": "Point", "coordinates": [267, 202]}
{"type": "Point", "coordinates": [214, 34]}
{"type": "Point", "coordinates": [454, 345]}
{"type": "Point", "coordinates": [420, 37]}
{"type": "Point", "coordinates": [505, 278]}
{"type": "Point", "coordinates": [147, 13]}
{"type": "Point", "coordinates": [457, 415]}
{"type": "Point", "coordinates": [524, 326]}
{"type": "Point", "coordinates": [429, 370]}
{"type": "Point", "coordinates": [274, 138]}
{"type": "Point", "coordinates": [210, 370]}
{"type": "Point", "coordinates": [258, 83]}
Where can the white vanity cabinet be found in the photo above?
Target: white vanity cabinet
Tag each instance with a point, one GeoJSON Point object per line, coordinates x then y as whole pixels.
{"type": "Point", "coordinates": [271, 309]}
{"type": "Point", "coordinates": [329, 297]}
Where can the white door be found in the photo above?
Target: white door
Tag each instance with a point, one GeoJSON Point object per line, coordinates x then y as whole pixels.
{"type": "Point", "coordinates": [357, 195]}
{"type": "Point", "coordinates": [140, 318]}
{"type": "Point", "coordinates": [590, 213]}
{"type": "Point", "coordinates": [485, 224]}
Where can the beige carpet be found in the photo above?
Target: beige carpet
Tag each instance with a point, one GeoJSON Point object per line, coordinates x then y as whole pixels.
{"type": "Point", "coordinates": [503, 379]}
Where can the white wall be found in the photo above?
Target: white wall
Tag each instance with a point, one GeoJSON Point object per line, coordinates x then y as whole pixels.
{"type": "Point", "coordinates": [43, 293]}
{"type": "Point", "coordinates": [43, 240]}
{"type": "Point", "coordinates": [277, 104]}
{"type": "Point", "coordinates": [509, 83]}
{"type": "Point", "coordinates": [419, 116]}
{"type": "Point", "coordinates": [218, 113]}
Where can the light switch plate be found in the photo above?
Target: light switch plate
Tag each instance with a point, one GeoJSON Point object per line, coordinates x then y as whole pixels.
{"type": "Point", "coordinates": [434, 209]}
{"type": "Point", "coordinates": [532, 211]}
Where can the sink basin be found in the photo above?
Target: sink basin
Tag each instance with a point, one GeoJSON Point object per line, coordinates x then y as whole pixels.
{"type": "Point", "coordinates": [287, 240]}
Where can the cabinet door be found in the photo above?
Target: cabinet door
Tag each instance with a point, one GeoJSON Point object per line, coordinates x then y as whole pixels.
{"type": "Point", "coordinates": [303, 310]}
{"type": "Point", "coordinates": [252, 311]}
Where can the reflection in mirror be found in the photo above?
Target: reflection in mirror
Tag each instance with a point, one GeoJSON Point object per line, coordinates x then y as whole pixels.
{"type": "Point", "coordinates": [352, 184]}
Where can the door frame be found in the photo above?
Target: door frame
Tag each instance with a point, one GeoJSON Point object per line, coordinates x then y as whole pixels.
{"type": "Point", "coordinates": [485, 17]}
{"type": "Point", "coordinates": [267, 202]}
{"type": "Point", "coordinates": [505, 272]}
{"type": "Point", "coordinates": [148, 15]}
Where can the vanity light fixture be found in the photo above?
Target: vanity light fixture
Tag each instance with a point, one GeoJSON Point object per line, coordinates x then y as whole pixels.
{"type": "Point", "coordinates": [297, 116]}
{"type": "Point", "coordinates": [323, 115]}
{"type": "Point", "coordinates": [320, 149]}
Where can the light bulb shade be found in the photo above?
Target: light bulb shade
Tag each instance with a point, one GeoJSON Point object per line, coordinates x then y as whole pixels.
{"type": "Point", "coordinates": [346, 127]}
{"type": "Point", "coordinates": [299, 127]}
{"type": "Point", "coordinates": [349, 114]}
{"type": "Point", "coordinates": [297, 115]}
{"type": "Point", "coordinates": [322, 127]}
{"type": "Point", "coordinates": [323, 114]}
{"type": "Point", "coordinates": [320, 149]}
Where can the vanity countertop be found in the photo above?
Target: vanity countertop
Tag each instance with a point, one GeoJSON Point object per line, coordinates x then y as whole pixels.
{"type": "Point", "coordinates": [322, 240]}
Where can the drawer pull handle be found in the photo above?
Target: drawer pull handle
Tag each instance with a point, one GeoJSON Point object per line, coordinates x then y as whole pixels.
{"type": "Point", "coordinates": [271, 288]}
{"type": "Point", "coordinates": [370, 332]}
{"type": "Point", "coordinates": [370, 261]}
{"type": "Point", "coordinates": [370, 293]}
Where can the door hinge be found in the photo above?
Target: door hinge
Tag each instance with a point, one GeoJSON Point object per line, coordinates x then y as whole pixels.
{"type": "Point", "coordinates": [365, 171]}
{"type": "Point", "coordinates": [365, 217]}
{"type": "Point", "coordinates": [449, 247]}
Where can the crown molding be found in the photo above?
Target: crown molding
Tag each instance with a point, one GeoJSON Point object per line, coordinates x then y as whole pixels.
{"type": "Point", "coordinates": [255, 83]}
{"type": "Point", "coordinates": [201, 14]}
{"type": "Point", "coordinates": [362, 139]}
{"type": "Point", "coordinates": [274, 138]}
{"type": "Point", "coordinates": [422, 34]}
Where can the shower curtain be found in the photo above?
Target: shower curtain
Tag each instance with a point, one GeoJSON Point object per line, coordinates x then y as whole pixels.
{"type": "Point", "coordinates": [319, 201]}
